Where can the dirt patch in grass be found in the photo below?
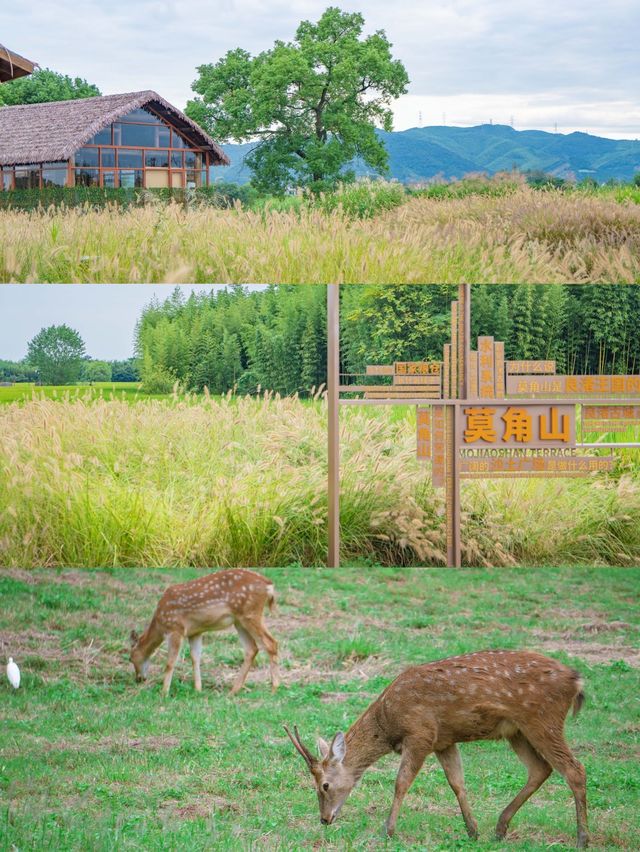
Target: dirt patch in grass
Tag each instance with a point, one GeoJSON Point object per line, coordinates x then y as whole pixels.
{"type": "Point", "coordinates": [34, 643]}
{"type": "Point", "coordinates": [330, 697]}
{"type": "Point", "coordinates": [114, 744]}
{"type": "Point", "coordinates": [592, 652]}
{"type": "Point", "coordinates": [602, 626]}
{"type": "Point", "coordinates": [204, 808]}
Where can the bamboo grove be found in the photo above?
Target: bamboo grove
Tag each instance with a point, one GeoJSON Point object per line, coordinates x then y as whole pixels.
{"type": "Point", "coordinates": [275, 338]}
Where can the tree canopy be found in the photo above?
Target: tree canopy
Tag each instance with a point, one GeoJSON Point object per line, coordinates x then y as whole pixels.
{"type": "Point", "coordinates": [313, 103]}
{"type": "Point", "coordinates": [43, 86]}
{"type": "Point", "coordinates": [57, 352]}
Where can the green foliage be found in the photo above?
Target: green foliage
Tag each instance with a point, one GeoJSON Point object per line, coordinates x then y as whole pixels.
{"type": "Point", "coordinates": [363, 199]}
{"type": "Point", "coordinates": [313, 102]}
{"type": "Point", "coordinates": [276, 338]}
{"type": "Point", "coordinates": [43, 86]}
{"type": "Point", "coordinates": [218, 195]}
{"type": "Point", "coordinates": [17, 371]}
{"type": "Point", "coordinates": [125, 371]}
{"type": "Point", "coordinates": [57, 353]}
{"type": "Point", "coordinates": [156, 378]}
{"type": "Point", "coordinates": [96, 371]}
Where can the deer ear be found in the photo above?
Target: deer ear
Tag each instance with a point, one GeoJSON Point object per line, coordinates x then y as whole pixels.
{"type": "Point", "coordinates": [338, 748]}
{"type": "Point", "coordinates": [323, 748]}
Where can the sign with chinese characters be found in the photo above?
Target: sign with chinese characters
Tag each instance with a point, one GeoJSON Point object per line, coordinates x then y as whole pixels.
{"type": "Point", "coordinates": [423, 426]}
{"type": "Point", "coordinates": [571, 385]}
{"type": "Point", "coordinates": [480, 415]}
{"type": "Point", "coordinates": [417, 368]}
{"type": "Point", "coordinates": [609, 418]}
{"type": "Point", "coordinates": [518, 425]}
{"type": "Point", "coordinates": [528, 367]}
{"type": "Point", "coordinates": [530, 465]}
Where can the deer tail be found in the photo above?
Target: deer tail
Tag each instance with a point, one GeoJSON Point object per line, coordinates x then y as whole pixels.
{"type": "Point", "coordinates": [579, 697]}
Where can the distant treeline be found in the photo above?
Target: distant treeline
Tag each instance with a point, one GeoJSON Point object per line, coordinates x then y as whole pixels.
{"type": "Point", "coordinates": [276, 338]}
{"type": "Point", "coordinates": [97, 371]}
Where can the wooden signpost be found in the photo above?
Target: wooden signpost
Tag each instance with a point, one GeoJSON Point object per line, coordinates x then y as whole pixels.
{"type": "Point", "coordinates": [479, 415]}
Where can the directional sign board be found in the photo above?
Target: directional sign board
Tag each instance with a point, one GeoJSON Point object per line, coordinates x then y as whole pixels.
{"type": "Point", "coordinates": [479, 415]}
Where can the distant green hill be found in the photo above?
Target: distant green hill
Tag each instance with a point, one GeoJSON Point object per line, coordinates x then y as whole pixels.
{"type": "Point", "coordinates": [423, 152]}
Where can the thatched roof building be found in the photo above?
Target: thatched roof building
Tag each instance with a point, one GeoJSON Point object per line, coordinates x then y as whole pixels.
{"type": "Point", "coordinates": [134, 139]}
{"type": "Point", "coordinates": [12, 65]}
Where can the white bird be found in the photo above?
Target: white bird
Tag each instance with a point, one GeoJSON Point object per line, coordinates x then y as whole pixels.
{"type": "Point", "coordinates": [13, 673]}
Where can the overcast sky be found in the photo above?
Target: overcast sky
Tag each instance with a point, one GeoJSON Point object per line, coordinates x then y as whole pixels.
{"type": "Point", "coordinates": [536, 63]}
{"type": "Point", "coordinates": [104, 314]}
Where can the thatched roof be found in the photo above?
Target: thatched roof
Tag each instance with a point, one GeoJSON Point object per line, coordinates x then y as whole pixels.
{"type": "Point", "coordinates": [12, 65]}
{"type": "Point", "coordinates": [42, 133]}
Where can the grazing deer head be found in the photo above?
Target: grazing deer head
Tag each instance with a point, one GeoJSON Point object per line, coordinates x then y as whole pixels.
{"type": "Point", "coordinates": [333, 780]}
{"type": "Point", "coordinates": [519, 696]}
{"type": "Point", "coordinates": [213, 602]}
{"type": "Point", "coordinates": [140, 662]}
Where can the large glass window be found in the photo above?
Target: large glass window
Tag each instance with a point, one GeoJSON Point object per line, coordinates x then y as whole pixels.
{"type": "Point", "coordinates": [193, 160]}
{"type": "Point", "coordinates": [107, 157]}
{"type": "Point", "coordinates": [87, 157]}
{"type": "Point", "coordinates": [7, 179]}
{"type": "Point", "coordinates": [130, 159]}
{"type": "Point", "coordinates": [177, 141]}
{"type": "Point", "coordinates": [101, 138]}
{"type": "Point", "coordinates": [87, 177]}
{"type": "Point", "coordinates": [157, 159]}
{"type": "Point", "coordinates": [131, 178]}
{"type": "Point", "coordinates": [164, 137]}
{"type": "Point", "coordinates": [141, 115]}
{"type": "Point", "coordinates": [28, 177]}
{"type": "Point", "coordinates": [139, 135]}
{"type": "Point", "coordinates": [177, 160]}
{"type": "Point", "coordinates": [54, 174]}
{"type": "Point", "coordinates": [109, 179]}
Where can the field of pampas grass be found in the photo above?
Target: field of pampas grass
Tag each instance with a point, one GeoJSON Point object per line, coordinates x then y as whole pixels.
{"type": "Point", "coordinates": [228, 482]}
{"type": "Point", "coordinates": [524, 236]}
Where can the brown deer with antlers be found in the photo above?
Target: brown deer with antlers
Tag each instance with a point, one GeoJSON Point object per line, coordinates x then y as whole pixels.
{"type": "Point", "coordinates": [515, 695]}
{"type": "Point", "coordinates": [213, 602]}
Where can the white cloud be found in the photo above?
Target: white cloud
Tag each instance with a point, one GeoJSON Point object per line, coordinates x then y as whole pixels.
{"type": "Point", "coordinates": [573, 63]}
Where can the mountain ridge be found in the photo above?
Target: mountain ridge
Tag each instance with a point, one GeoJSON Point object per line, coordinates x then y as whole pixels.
{"type": "Point", "coordinates": [422, 153]}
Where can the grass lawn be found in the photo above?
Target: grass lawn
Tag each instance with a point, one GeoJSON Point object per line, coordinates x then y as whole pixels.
{"type": "Point", "coordinates": [127, 391]}
{"type": "Point", "coordinates": [91, 760]}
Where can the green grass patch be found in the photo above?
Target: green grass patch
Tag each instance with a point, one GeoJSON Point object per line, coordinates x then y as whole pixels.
{"type": "Point", "coordinates": [124, 391]}
{"type": "Point", "coordinates": [93, 761]}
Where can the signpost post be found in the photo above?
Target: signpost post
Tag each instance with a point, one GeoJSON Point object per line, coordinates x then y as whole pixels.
{"type": "Point", "coordinates": [480, 416]}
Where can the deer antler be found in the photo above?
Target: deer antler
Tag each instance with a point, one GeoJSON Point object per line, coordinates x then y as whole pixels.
{"type": "Point", "coordinates": [300, 747]}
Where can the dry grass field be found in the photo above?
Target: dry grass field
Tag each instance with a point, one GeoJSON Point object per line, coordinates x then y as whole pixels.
{"type": "Point", "coordinates": [523, 236]}
{"type": "Point", "coordinates": [207, 481]}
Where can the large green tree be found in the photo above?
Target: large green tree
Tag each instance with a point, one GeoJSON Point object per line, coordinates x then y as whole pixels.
{"type": "Point", "coordinates": [44, 86]}
{"type": "Point", "coordinates": [57, 353]}
{"type": "Point", "coordinates": [313, 104]}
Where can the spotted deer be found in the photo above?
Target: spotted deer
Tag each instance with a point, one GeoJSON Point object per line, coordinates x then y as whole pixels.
{"type": "Point", "coordinates": [213, 602]}
{"type": "Point", "coordinates": [515, 695]}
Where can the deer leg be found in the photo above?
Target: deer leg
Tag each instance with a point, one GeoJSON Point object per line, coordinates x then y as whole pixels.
{"type": "Point", "coordinates": [195, 646]}
{"type": "Point", "coordinates": [539, 770]}
{"type": "Point", "coordinates": [258, 631]}
{"type": "Point", "coordinates": [556, 752]}
{"type": "Point", "coordinates": [452, 764]}
{"type": "Point", "coordinates": [174, 643]}
{"type": "Point", "coordinates": [413, 756]}
{"type": "Point", "coordinates": [265, 640]}
{"type": "Point", "coordinates": [250, 651]}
